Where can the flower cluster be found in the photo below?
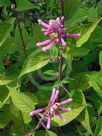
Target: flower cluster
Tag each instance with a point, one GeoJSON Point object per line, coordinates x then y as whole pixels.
{"type": "Point", "coordinates": [53, 108]}
{"type": "Point", "coordinates": [56, 32]}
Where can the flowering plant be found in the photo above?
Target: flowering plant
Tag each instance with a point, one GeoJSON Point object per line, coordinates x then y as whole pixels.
{"type": "Point", "coordinates": [47, 44]}
{"type": "Point", "coordinates": [56, 32]}
{"type": "Point", "coordinates": [53, 108]}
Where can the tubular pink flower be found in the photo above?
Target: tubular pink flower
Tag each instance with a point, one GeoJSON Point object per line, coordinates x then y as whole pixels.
{"type": "Point", "coordinates": [48, 122]}
{"type": "Point", "coordinates": [66, 101]}
{"type": "Point", "coordinates": [36, 112]}
{"type": "Point", "coordinates": [65, 109]}
{"type": "Point", "coordinates": [55, 28]}
{"type": "Point", "coordinates": [43, 43]}
{"type": "Point", "coordinates": [48, 33]}
{"type": "Point", "coordinates": [63, 42]}
{"type": "Point", "coordinates": [43, 23]}
{"type": "Point", "coordinates": [55, 97]}
{"type": "Point", "coordinates": [53, 94]}
{"type": "Point", "coordinates": [49, 46]}
{"type": "Point", "coordinates": [74, 35]}
{"type": "Point", "coordinates": [53, 109]}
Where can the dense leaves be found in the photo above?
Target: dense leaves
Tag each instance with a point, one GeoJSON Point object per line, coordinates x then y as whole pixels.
{"type": "Point", "coordinates": [27, 75]}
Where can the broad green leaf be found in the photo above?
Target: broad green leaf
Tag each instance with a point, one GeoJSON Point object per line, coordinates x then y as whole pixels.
{"type": "Point", "coordinates": [79, 52]}
{"type": "Point", "coordinates": [98, 130]}
{"type": "Point", "coordinates": [16, 115]}
{"type": "Point", "coordinates": [70, 7]}
{"type": "Point", "coordinates": [4, 94]}
{"type": "Point", "coordinates": [80, 15]}
{"type": "Point", "coordinates": [5, 30]}
{"type": "Point", "coordinates": [95, 80]}
{"type": "Point", "coordinates": [22, 101]}
{"type": "Point", "coordinates": [4, 3]}
{"type": "Point", "coordinates": [34, 62]}
{"type": "Point", "coordinates": [5, 80]}
{"type": "Point", "coordinates": [23, 5]}
{"type": "Point", "coordinates": [26, 117]}
{"type": "Point", "coordinates": [84, 119]}
{"type": "Point", "coordinates": [80, 82]}
{"type": "Point", "coordinates": [0, 104]}
{"type": "Point", "coordinates": [44, 133]}
{"type": "Point", "coordinates": [87, 34]}
{"type": "Point", "coordinates": [99, 7]}
{"type": "Point", "coordinates": [44, 93]}
{"type": "Point", "coordinates": [4, 117]}
{"type": "Point", "coordinates": [100, 59]}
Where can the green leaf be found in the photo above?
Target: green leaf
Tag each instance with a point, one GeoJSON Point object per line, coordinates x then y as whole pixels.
{"type": "Point", "coordinates": [87, 34]}
{"type": "Point", "coordinates": [16, 115]}
{"type": "Point", "coordinates": [4, 94]}
{"type": "Point", "coordinates": [79, 16]}
{"type": "Point", "coordinates": [34, 62]}
{"type": "Point", "coordinates": [79, 52]}
{"type": "Point", "coordinates": [70, 7]}
{"type": "Point", "coordinates": [100, 59]}
{"type": "Point", "coordinates": [23, 5]}
{"type": "Point", "coordinates": [44, 133]}
{"type": "Point", "coordinates": [4, 117]}
{"type": "Point", "coordinates": [79, 82]}
{"type": "Point", "coordinates": [44, 93]}
{"type": "Point", "coordinates": [84, 119]}
{"type": "Point", "coordinates": [4, 3]}
{"type": "Point", "coordinates": [22, 101]}
{"type": "Point", "coordinates": [95, 80]}
{"type": "Point", "coordinates": [98, 130]}
{"type": "Point", "coordinates": [5, 80]}
{"type": "Point", "coordinates": [5, 30]}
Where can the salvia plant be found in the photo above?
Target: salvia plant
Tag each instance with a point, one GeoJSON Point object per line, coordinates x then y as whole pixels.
{"type": "Point", "coordinates": [50, 68]}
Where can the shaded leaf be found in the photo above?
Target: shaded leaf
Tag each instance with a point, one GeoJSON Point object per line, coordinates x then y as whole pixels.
{"type": "Point", "coordinates": [22, 101]}
{"type": "Point", "coordinates": [5, 30]}
{"type": "Point", "coordinates": [34, 62]}
{"type": "Point", "coordinates": [23, 5]}
{"type": "Point", "coordinates": [98, 130]}
{"type": "Point", "coordinates": [87, 34]}
{"type": "Point", "coordinates": [100, 59]}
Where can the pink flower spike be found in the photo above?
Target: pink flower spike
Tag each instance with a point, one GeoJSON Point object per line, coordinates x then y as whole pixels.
{"type": "Point", "coordinates": [36, 112]}
{"type": "Point", "coordinates": [74, 35]}
{"type": "Point", "coordinates": [65, 109]}
{"type": "Point", "coordinates": [53, 94]}
{"type": "Point", "coordinates": [63, 42]}
{"type": "Point", "coordinates": [43, 43]}
{"type": "Point", "coordinates": [48, 122]}
{"type": "Point", "coordinates": [66, 101]}
{"type": "Point", "coordinates": [49, 46]}
{"type": "Point", "coordinates": [43, 23]}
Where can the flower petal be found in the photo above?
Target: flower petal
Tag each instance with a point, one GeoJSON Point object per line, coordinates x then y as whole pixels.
{"type": "Point", "coordinates": [36, 112]}
{"type": "Point", "coordinates": [43, 43]}
{"type": "Point", "coordinates": [66, 101]}
{"type": "Point", "coordinates": [43, 23]}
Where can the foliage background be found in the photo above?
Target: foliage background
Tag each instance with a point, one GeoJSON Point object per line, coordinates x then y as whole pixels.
{"type": "Point", "coordinates": [27, 74]}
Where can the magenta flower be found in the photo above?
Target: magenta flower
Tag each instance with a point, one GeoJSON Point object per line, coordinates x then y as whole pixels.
{"type": "Point", "coordinates": [56, 32]}
{"type": "Point", "coordinates": [53, 109]}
